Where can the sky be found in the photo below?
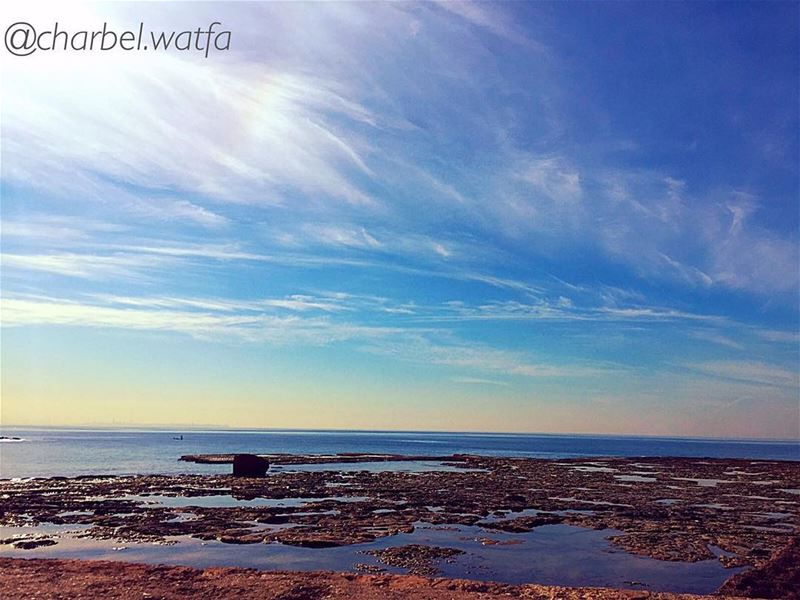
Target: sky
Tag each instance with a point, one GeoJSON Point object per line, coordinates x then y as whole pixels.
{"type": "Point", "coordinates": [538, 217]}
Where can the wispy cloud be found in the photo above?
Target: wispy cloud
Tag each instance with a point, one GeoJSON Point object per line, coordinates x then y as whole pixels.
{"type": "Point", "coordinates": [647, 221]}
{"type": "Point", "coordinates": [489, 17]}
{"type": "Point", "coordinates": [717, 338]}
{"type": "Point", "coordinates": [559, 308]}
{"type": "Point", "coordinates": [210, 321]}
{"type": "Point", "coordinates": [45, 230]}
{"type": "Point", "coordinates": [497, 219]}
{"type": "Point", "coordinates": [87, 266]}
{"type": "Point", "coordinates": [257, 132]}
{"type": "Point", "coordinates": [320, 148]}
{"type": "Point", "coordinates": [771, 335]}
{"type": "Point", "coordinates": [295, 302]}
{"type": "Point", "coordinates": [755, 372]}
{"type": "Point", "coordinates": [258, 321]}
{"type": "Point", "coordinates": [476, 357]}
{"type": "Point", "coordinates": [478, 381]}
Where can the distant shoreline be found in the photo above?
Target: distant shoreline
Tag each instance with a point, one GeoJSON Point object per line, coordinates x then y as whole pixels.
{"type": "Point", "coordinates": [212, 429]}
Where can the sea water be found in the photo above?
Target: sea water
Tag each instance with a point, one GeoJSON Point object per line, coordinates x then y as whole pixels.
{"type": "Point", "coordinates": [47, 452]}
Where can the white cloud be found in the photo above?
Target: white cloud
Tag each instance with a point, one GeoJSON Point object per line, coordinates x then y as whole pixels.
{"type": "Point", "coordinates": [177, 210]}
{"type": "Point", "coordinates": [487, 16]}
{"type": "Point", "coordinates": [257, 321]}
{"type": "Point", "coordinates": [750, 371]}
{"type": "Point", "coordinates": [318, 130]}
{"type": "Point", "coordinates": [560, 309]}
{"type": "Point", "coordinates": [354, 237]}
{"type": "Point", "coordinates": [717, 338]}
{"type": "Point", "coordinates": [553, 178]}
{"type": "Point", "coordinates": [87, 266]}
{"type": "Point", "coordinates": [478, 381]}
{"type": "Point", "coordinates": [479, 358]}
{"type": "Point", "coordinates": [209, 322]}
{"type": "Point", "coordinates": [771, 335]}
{"type": "Point", "coordinates": [441, 250]}
{"type": "Point", "coordinates": [43, 229]}
{"type": "Point", "coordinates": [255, 133]}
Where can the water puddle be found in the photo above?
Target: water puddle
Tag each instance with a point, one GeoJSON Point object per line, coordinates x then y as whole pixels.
{"type": "Point", "coordinates": [714, 505]}
{"type": "Point", "coordinates": [550, 555]}
{"type": "Point", "coordinates": [508, 515]}
{"type": "Point", "coordinates": [635, 478]}
{"type": "Point", "coordinates": [183, 518]}
{"type": "Point", "coordinates": [667, 501]}
{"type": "Point", "coordinates": [592, 469]}
{"type": "Point", "coordinates": [703, 482]}
{"type": "Point", "coordinates": [774, 515]}
{"type": "Point", "coordinates": [777, 528]}
{"type": "Point", "coordinates": [595, 502]}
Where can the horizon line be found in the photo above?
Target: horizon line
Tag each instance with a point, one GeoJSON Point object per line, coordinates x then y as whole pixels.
{"type": "Point", "coordinates": [212, 428]}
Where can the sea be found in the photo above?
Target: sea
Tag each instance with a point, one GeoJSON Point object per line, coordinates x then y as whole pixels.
{"type": "Point", "coordinates": [69, 452]}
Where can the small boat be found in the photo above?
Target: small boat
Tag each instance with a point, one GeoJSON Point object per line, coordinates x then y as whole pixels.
{"type": "Point", "coordinates": [178, 438]}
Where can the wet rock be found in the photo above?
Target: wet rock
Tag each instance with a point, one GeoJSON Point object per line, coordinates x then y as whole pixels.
{"type": "Point", "coordinates": [521, 524]}
{"type": "Point", "coordinates": [492, 542]}
{"type": "Point", "coordinates": [373, 569]}
{"type": "Point", "coordinates": [249, 465]}
{"type": "Point", "coordinates": [29, 543]}
{"type": "Point", "coordinates": [241, 537]}
{"type": "Point", "coordinates": [333, 507]}
{"type": "Point", "coordinates": [778, 578]}
{"type": "Point", "coordinates": [312, 542]}
{"type": "Point", "coordinates": [675, 547]}
{"type": "Point", "coordinates": [417, 558]}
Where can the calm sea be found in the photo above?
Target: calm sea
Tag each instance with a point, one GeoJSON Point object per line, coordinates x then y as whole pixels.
{"type": "Point", "coordinates": [47, 452]}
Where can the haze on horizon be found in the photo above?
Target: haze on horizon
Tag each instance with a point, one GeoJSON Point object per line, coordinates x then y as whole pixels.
{"type": "Point", "coordinates": [512, 217]}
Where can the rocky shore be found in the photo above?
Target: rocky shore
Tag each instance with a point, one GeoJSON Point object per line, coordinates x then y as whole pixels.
{"type": "Point", "coordinates": [743, 513]}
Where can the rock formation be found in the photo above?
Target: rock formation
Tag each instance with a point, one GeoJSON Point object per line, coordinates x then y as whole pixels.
{"type": "Point", "coordinates": [249, 465]}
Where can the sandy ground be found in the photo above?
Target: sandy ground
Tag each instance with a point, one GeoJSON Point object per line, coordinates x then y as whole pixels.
{"type": "Point", "coordinates": [43, 578]}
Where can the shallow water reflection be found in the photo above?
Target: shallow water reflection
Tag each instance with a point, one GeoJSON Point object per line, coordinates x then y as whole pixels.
{"type": "Point", "coordinates": [551, 554]}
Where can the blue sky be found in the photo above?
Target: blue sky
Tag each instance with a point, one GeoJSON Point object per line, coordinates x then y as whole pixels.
{"type": "Point", "coordinates": [503, 216]}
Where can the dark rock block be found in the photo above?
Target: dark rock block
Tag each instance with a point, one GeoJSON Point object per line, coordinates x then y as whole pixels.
{"type": "Point", "coordinates": [30, 544]}
{"type": "Point", "coordinates": [249, 465]}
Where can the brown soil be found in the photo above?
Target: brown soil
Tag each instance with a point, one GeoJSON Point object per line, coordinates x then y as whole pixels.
{"type": "Point", "coordinates": [56, 579]}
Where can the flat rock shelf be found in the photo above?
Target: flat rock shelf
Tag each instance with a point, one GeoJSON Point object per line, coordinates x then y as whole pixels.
{"type": "Point", "coordinates": [654, 524]}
